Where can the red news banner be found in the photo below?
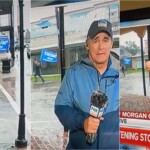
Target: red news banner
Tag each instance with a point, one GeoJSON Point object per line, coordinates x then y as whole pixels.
{"type": "Point", "coordinates": [135, 115]}
{"type": "Point", "coordinates": [135, 136]}
{"type": "Point", "coordinates": [135, 128]}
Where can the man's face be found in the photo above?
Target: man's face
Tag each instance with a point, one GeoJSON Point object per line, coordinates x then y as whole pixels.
{"type": "Point", "coordinates": [99, 48]}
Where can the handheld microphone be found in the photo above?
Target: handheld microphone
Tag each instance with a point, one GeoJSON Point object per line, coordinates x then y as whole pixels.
{"type": "Point", "coordinates": [98, 105]}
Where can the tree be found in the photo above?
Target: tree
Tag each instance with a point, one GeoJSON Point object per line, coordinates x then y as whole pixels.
{"type": "Point", "coordinates": [131, 47]}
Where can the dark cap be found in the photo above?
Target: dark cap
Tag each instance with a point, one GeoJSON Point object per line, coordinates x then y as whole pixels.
{"type": "Point", "coordinates": [98, 26]}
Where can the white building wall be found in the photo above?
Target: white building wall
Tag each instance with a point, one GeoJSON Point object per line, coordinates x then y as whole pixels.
{"type": "Point", "coordinates": [77, 19]}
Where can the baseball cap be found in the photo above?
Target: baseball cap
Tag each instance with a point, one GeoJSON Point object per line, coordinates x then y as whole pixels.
{"type": "Point", "coordinates": [98, 26]}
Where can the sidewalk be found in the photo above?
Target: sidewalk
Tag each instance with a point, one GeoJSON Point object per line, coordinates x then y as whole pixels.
{"type": "Point", "coordinates": [8, 125]}
{"type": "Point", "coordinates": [44, 123]}
{"type": "Point", "coordinates": [9, 113]}
{"type": "Point", "coordinates": [46, 130]}
{"type": "Point", "coordinates": [45, 135]}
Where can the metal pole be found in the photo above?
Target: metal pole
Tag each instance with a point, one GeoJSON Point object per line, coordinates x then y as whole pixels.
{"type": "Point", "coordinates": [143, 71]}
{"type": "Point", "coordinates": [61, 42]}
{"type": "Point", "coordinates": [60, 26]}
{"type": "Point", "coordinates": [148, 39]}
{"type": "Point", "coordinates": [12, 36]}
{"type": "Point", "coordinates": [21, 141]}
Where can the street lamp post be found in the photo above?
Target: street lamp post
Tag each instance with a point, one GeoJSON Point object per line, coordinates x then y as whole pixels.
{"type": "Point", "coordinates": [143, 72]}
{"type": "Point", "coordinates": [61, 39]}
{"type": "Point", "coordinates": [21, 141]}
{"type": "Point", "coordinates": [148, 37]}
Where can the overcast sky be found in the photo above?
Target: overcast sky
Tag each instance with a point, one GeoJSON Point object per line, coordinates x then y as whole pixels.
{"type": "Point", "coordinates": [131, 36]}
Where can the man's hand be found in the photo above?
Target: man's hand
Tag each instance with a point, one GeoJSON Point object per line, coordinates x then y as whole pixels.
{"type": "Point", "coordinates": [148, 65]}
{"type": "Point", "coordinates": [91, 124]}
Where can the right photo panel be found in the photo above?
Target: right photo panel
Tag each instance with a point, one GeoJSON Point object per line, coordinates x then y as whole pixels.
{"type": "Point", "coordinates": [135, 75]}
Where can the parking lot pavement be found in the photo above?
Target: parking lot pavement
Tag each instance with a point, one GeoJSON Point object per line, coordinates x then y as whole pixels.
{"type": "Point", "coordinates": [9, 124]}
{"type": "Point", "coordinates": [46, 130]}
{"type": "Point", "coordinates": [44, 123]}
{"type": "Point", "coordinates": [133, 84]}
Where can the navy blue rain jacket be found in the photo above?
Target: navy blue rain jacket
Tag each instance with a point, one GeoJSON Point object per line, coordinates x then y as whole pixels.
{"type": "Point", "coordinates": [72, 104]}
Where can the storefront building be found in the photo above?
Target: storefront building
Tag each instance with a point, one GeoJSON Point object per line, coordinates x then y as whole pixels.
{"type": "Point", "coordinates": [77, 19]}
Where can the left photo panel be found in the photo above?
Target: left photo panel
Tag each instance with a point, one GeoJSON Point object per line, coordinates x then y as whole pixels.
{"type": "Point", "coordinates": [15, 78]}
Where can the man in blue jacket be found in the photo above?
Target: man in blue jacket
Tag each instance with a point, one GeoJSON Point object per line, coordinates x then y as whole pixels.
{"type": "Point", "coordinates": [99, 71]}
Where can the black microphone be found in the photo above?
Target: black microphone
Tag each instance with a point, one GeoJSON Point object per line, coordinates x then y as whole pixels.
{"type": "Point", "coordinates": [98, 105]}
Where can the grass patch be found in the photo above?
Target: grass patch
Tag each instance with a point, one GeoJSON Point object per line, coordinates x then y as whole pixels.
{"type": "Point", "coordinates": [47, 78]}
{"type": "Point", "coordinates": [134, 70]}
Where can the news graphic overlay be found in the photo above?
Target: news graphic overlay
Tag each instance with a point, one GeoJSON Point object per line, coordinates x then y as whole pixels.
{"type": "Point", "coordinates": [98, 105]}
{"type": "Point", "coordinates": [135, 121]}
